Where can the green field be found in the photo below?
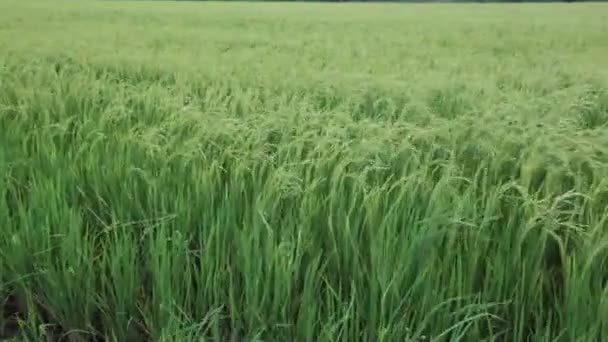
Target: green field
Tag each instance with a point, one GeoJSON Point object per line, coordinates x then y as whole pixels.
{"type": "Point", "coordinates": [179, 171]}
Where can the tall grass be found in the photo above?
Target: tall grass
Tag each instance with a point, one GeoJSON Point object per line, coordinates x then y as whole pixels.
{"type": "Point", "coordinates": [181, 172]}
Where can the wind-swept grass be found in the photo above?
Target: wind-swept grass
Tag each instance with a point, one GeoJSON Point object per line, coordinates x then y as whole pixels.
{"type": "Point", "coordinates": [181, 172]}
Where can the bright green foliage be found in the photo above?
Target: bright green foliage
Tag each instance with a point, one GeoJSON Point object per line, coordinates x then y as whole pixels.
{"type": "Point", "coordinates": [273, 172]}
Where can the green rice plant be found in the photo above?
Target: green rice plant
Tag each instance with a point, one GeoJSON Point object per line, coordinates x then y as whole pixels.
{"type": "Point", "coordinates": [382, 172]}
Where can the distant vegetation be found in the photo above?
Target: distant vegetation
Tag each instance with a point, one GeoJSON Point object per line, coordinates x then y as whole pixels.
{"type": "Point", "coordinates": [305, 172]}
{"type": "Point", "coordinates": [413, 1]}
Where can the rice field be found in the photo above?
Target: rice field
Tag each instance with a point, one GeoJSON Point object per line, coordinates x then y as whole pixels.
{"type": "Point", "coordinates": [177, 171]}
